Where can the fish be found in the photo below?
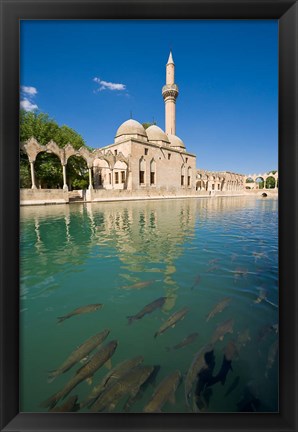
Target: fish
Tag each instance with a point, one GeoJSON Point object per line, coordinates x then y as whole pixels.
{"type": "Point", "coordinates": [149, 308]}
{"type": "Point", "coordinates": [85, 372]}
{"type": "Point", "coordinates": [163, 393]}
{"type": "Point", "coordinates": [139, 285]}
{"type": "Point", "coordinates": [262, 296]}
{"type": "Point", "coordinates": [172, 320]}
{"type": "Point", "coordinates": [150, 380]}
{"type": "Point", "coordinates": [213, 261]}
{"type": "Point", "coordinates": [212, 268]}
{"type": "Point", "coordinates": [259, 255]}
{"type": "Point", "coordinates": [226, 366]}
{"type": "Point", "coordinates": [129, 385]}
{"type": "Point", "coordinates": [81, 310]}
{"type": "Point", "coordinates": [240, 272]}
{"type": "Point", "coordinates": [222, 329]}
{"type": "Point", "coordinates": [198, 364]}
{"type": "Point", "coordinates": [271, 356]}
{"type": "Point", "coordinates": [233, 386]}
{"type": "Point", "coordinates": [79, 353]}
{"type": "Point", "coordinates": [69, 406]}
{"type": "Point", "coordinates": [197, 281]}
{"type": "Point", "coordinates": [243, 338]}
{"type": "Point", "coordinates": [205, 380]}
{"type": "Point", "coordinates": [186, 341]}
{"type": "Point", "coordinates": [115, 374]}
{"type": "Point", "coordinates": [219, 307]}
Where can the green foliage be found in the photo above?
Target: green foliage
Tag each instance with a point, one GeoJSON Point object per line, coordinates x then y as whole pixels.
{"type": "Point", "coordinates": [77, 173]}
{"type": "Point", "coordinates": [25, 176]}
{"type": "Point", "coordinates": [146, 125]}
{"type": "Point", "coordinates": [47, 167]}
{"type": "Point", "coordinates": [80, 184]}
{"type": "Point", "coordinates": [270, 183]}
{"type": "Point", "coordinates": [48, 171]}
{"type": "Point", "coordinates": [44, 129]}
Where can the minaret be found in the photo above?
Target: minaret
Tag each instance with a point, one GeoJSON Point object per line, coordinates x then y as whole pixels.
{"type": "Point", "coordinates": [170, 94]}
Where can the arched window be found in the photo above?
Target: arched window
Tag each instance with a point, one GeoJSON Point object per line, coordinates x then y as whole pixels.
{"type": "Point", "coordinates": [182, 175]}
{"type": "Point", "coordinates": [189, 177]}
{"type": "Point", "coordinates": [142, 171]}
{"type": "Point", "coordinates": [152, 172]}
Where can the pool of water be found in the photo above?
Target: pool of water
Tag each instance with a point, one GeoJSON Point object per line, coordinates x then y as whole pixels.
{"type": "Point", "coordinates": [125, 255]}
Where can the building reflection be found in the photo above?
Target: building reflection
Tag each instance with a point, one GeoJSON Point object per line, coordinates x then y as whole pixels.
{"type": "Point", "coordinates": [144, 236]}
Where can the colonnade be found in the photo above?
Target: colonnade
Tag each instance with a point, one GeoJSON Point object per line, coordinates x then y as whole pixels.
{"type": "Point", "coordinates": [32, 148]}
{"type": "Point", "coordinates": [219, 181]}
{"type": "Point", "coordinates": [252, 183]}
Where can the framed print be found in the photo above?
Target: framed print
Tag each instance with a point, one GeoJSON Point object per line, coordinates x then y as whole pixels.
{"type": "Point", "coordinates": [148, 241]}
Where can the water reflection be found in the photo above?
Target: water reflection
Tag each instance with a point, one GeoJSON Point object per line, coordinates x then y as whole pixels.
{"type": "Point", "coordinates": [216, 257]}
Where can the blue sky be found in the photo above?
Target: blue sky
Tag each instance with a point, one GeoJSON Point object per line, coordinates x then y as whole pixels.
{"type": "Point", "coordinates": [90, 75]}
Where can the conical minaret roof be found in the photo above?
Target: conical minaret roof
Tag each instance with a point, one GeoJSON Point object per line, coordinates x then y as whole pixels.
{"type": "Point", "coordinates": [170, 60]}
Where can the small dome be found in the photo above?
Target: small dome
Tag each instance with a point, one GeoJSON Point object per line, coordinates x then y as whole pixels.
{"type": "Point", "coordinates": [131, 127]}
{"type": "Point", "coordinates": [176, 141]}
{"type": "Point", "coordinates": [155, 133]}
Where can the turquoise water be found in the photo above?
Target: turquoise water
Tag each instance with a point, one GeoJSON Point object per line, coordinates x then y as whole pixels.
{"type": "Point", "coordinates": [194, 252]}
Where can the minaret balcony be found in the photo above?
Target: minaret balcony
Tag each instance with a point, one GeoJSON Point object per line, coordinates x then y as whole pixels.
{"type": "Point", "coordinates": [170, 91]}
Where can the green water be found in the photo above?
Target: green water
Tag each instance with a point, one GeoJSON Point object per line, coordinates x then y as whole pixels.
{"type": "Point", "coordinates": [193, 251]}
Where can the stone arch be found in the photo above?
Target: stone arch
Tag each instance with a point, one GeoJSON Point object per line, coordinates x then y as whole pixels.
{"type": "Point", "coordinates": [200, 185]}
{"type": "Point", "coordinates": [249, 182]}
{"type": "Point", "coordinates": [270, 182]}
{"type": "Point", "coordinates": [120, 174]}
{"type": "Point", "coordinates": [101, 174]}
{"type": "Point", "coordinates": [77, 172]}
{"type": "Point", "coordinates": [45, 179]}
{"type": "Point", "coordinates": [259, 183]}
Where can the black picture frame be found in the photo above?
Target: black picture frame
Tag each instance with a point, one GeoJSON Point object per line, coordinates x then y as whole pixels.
{"type": "Point", "coordinates": [286, 12]}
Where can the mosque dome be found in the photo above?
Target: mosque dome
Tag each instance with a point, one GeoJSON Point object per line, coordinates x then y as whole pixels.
{"type": "Point", "coordinates": [155, 133]}
{"type": "Point", "coordinates": [176, 142]}
{"type": "Point", "coordinates": [131, 128]}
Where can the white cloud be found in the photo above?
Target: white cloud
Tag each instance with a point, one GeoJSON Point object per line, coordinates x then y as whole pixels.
{"type": "Point", "coordinates": [28, 94]}
{"type": "Point", "coordinates": [104, 85]}
{"type": "Point", "coordinates": [27, 105]}
{"type": "Point", "coordinates": [29, 90]}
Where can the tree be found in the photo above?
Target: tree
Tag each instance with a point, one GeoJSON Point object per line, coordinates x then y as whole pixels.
{"type": "Point", "coordinates": [146, 125]}
{"type": "Point", "coordinates": [48, 169]}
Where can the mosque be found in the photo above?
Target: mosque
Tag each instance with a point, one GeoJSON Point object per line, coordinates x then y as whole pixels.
{"type": "Point", "coordinates": [152, 158]}
{"type": "Point", "coordinates": [140, 163]}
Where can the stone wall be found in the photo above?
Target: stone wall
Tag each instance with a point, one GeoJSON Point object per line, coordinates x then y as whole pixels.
{"type": "Point", "coordinates": [146, 193]}
{"type": "Point", "coordinates": [43, 196]}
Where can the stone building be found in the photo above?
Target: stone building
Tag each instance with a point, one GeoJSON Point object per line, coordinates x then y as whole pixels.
{"type": "Point", "coordinates": [140, 163]}
{"type": "Point", "coordinates": [151, 158]}
{"type": "Point", "coordinates": [138, 160]}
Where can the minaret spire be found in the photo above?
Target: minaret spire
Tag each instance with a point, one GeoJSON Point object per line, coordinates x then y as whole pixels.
{"type": "Point", "coordinates": [170, 94]}
{"type": "Point", "coordinates": [170, 60]}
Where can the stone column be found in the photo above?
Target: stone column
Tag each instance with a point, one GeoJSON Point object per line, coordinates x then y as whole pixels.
{"type": "Point", "coordinates": [65, 187]}
{"type": "Point", "coordinates": [90, 179]}
{"type": "Point", "coordinates": [32, 175]}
